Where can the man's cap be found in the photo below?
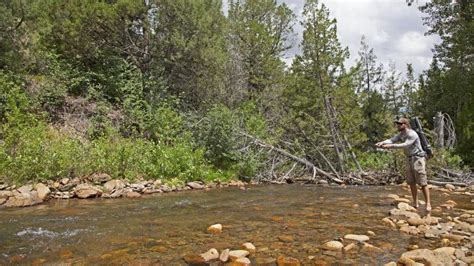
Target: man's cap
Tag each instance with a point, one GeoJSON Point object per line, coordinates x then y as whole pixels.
{"type": "Point", "coordinates": [402, 120]}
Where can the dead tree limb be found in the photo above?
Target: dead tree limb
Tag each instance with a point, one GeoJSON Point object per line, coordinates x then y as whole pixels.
{"type": "Point", "coordinates": [439, 183]}
{"type": "Point", "coordinates": [293, 157]}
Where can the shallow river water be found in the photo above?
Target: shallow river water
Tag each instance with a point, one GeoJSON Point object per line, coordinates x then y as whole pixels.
{"type": "Point", "coordinates": [288, 220]}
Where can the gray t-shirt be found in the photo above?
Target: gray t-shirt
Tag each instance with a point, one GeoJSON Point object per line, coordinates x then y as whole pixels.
{"type": "Point", "coordinates": [411, 144]}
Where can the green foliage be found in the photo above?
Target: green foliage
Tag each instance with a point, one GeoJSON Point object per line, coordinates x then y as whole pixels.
{"type": "Point", "coordinates": [376, 160]}
{"type": "Point", "coordinates": [259, 34]}
{"type": "Point", "coordinates": [218, 135]}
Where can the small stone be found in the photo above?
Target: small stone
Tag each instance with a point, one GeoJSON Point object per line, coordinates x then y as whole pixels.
{"type": "Point", "coordinates": [211, 254]}
{"type": "Point", "coordinates": [64, 181]}
{"type": "Point", "coordinates": [266, 261]}
{"type": "Point", "coordinates": [360, 238]}
{"type": "Point", "coordinates": [392, 263]}
{"type": "Point", "coordinates": [224, 257]}
{"type": "Point", "coordinates": [389, 222]}
{"type": "Point", "coordinates": [194, 259]}
{"type": "Point", "coordinates": [349, 247]}
{"type": "Point", "coordinates": [371, 248]}
{"type": "Point", "coordinates": [393, 196]}
{"type": "Point", "coordinates": [287, 261]}
{"type": "Point", "coordinates": [286, 238]}
{"type": "Point", "coordinates": [416, 221]}
{"type": "Point", "coordinates": [403, 206]}
{"type": "Point", "coordinates": [215, 229]}
{"type": "Point", "coordinates": [371, 233]}
{"type": "Point", "coordinates": [413, 247]}
{"type": "Point", "coordinates": [241, 262]}
{"type": "Point", "coordinates": [235, 254]}
{"type": "Point", "coordinates": [450, 187]}
{"type": "Point", "coordinates": [333, 245]}
{"type": "Point", "coordinates": [249, 247]}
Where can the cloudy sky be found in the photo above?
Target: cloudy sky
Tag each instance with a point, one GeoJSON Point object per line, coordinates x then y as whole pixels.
{"type": "Point", "coordinates": [391, 27]}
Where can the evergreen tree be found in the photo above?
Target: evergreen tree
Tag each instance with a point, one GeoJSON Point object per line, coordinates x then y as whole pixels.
{"type": "Point", "coordinates": [370, 74]}
{"type": "Point", "coordinates": [259, 34]}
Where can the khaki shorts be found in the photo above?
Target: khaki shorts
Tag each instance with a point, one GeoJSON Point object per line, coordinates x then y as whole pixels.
{"type": "Point", "coordinates": [416, 172]}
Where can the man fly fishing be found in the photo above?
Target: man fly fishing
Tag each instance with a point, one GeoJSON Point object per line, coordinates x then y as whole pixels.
{"type": "Point", "coordinates": [415, 159]}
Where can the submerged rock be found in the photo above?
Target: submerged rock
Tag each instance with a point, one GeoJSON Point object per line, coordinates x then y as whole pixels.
{"type": "Point", "coordinates": [249, 247]}
{"type": "Point", "coordinates": [288, 261]}
{"type": "Point", "coordinates": [333, 245]}
{"type": "Point", "coordinates": [428, 257]}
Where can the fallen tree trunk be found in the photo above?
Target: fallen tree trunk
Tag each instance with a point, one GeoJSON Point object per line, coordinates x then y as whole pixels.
{"type": "Point", "coordinates": [440, 183]}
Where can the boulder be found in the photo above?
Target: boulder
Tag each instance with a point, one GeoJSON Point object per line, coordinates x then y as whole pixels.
{"type": "Point", "coordinates": [133, 194]}
{"type": "Point", "coordinates": [43, 191]}
{"type": "Point", "coordinates": [235, 254]}
{"type": "Point", "coordinates": [114, 185]}
{"type": "Point", "coordinates": [23, 200]}
{"type": "Point", "coordinates": [5, 194]}
{"type": "Point", "coordinates": [360, 238]}
{"type": "Point", "coordinates": [2, 200]}
{"type": "Point", "coordinates": [333, 245]}
{"type": "Point", "coordinates": [99, 178]}
{"type": "Point", "coordinates": [195, 185]}
{"type": "Point", "coordinates": [84, 191]}
{"type": "Point", "coordinates": [446, 251]}
{"type": "Point", "coordinates": [215, 229]}
{"type": "Point", "coordinates": [25, 189]}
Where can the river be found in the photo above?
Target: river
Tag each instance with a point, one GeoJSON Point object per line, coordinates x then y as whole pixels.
{"type": "Point", "coordinates": [288, 220]}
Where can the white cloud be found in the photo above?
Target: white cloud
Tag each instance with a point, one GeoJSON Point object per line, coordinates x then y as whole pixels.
{"type": "Point", "coordinates": [413, 43]}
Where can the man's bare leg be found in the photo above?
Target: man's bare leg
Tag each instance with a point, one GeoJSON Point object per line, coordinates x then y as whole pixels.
{"type": "Point", "coordinates": [426, 193]}
{"type": "Point", "coordinates": [414, 194]}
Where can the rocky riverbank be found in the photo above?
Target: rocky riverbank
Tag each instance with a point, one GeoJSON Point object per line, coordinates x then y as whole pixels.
{"type": "Point", "coordinates": [94, 186]}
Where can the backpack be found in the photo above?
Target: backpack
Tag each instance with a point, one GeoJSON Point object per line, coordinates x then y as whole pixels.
{"type": "Point", "coordinates": [425, 145]}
